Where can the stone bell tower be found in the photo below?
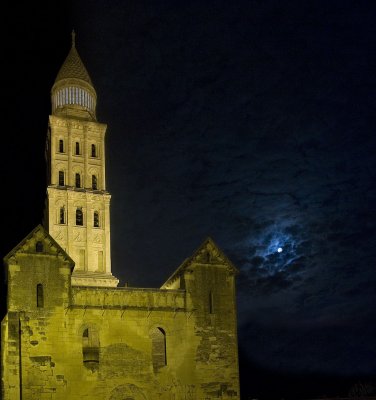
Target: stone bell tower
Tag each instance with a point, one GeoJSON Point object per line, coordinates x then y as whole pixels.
{"type": "Point", "coordinates": [69, 332]}
{"type": "Point", "coordinates": [77, 213]}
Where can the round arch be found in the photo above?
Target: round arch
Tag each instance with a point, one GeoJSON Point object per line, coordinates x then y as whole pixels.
{"type": "Point", "coordinates": [127, 392]}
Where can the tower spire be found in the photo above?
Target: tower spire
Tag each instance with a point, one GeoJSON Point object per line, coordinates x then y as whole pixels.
{"type": "Point", "coordinates": [73, 38]}
{"type": "Point", "coordinates": [73, 92]}
{"type": "Point", "coordinates": [78, 204]}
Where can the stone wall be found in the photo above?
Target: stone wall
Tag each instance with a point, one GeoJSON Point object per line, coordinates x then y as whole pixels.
{"type": "Point", "coordinates": [128, 298]}
{"type": "Point", "coordinates": [116, 343]}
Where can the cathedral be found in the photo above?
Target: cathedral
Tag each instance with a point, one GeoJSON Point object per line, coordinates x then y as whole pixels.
{"type": "Point", "coordinates": [70, 331]}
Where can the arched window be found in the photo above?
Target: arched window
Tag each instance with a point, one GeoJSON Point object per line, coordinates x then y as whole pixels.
{"type": "Point", "coordinates": [79, 217]}
{"type": "Point", "coordinates": [158, 348]}
{"type": "Point", "coordinates": [77, 152]}
{"type": "Point", "coordinates": [94, 182]}
{"type": "Point", "coordinates": [40, 296]}
{"type": "Point", "coordinates": [78, 180]}
{"type": "Point", "coordinates": [96, 219]}
{"type": "Point", "coordinates": [61, 146]}
{"type": "Point", "coordinates": [61, 178]}
{"type": "Point", "coordinates": [62, 215]}
{"type": "Point", "coordinates": [93, 150]}
{"type": "Point", "coordinates": [90, 348]}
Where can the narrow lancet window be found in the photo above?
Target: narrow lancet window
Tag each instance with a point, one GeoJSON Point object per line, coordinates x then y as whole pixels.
{"type": "Point", "coordinates": [77, 148]}
{"type": "Point", "coordinates": [90, 348]}
{"type": "Point", "coordinates": [61, 146]}
{"type": "Point", "coordinates": [96, 219]}
{"type": "Point", "coordinates": [78, 180]}
{"type": "Point", "coordinates": [62, 215]}
{"type": "Point", "coordinates": [61, 178]}
{"type": "Point", "coordinates": [40, 296]}
{"type": "Point", "coordinates": [158, 348]}
{"type": "Point", "coordinates": [93, 150]}
{"type": "Point", "coordinates": [79, 217]}
{"type": "Point", "coordinates": [94, 182]}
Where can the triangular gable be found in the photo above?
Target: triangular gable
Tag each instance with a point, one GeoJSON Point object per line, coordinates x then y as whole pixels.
{"type": "Point", "coordinates": [208, 253]}
{"type": "Point", "coordinates": [28, 246]}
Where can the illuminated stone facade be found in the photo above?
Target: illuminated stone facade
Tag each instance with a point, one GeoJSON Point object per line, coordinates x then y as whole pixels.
{"type": "Point", "coordinates": [78, 205]}
{"type": "Point", "coordinates": [70, 332]}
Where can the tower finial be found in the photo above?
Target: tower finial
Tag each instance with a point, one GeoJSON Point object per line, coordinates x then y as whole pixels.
{"type": "Point", "coordinates": [73, 38]}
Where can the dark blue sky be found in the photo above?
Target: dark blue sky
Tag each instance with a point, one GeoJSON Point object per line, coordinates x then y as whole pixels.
{"type": "Point", "coordinates": [252, 122]}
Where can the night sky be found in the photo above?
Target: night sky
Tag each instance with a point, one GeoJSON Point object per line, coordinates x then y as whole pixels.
{"type": "Point", "coordinates": [252, 122]}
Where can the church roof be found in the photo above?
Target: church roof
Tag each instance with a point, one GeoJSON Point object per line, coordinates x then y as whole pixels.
{"type": "Point", "coordinates": [50, 246]}
{"type": "Point", "coordinates": [73, 67]}
{"type": "Point", "coordinates": [207, 254]}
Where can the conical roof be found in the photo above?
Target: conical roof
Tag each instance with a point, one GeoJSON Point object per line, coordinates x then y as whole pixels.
{"type": "Point", "coordinates": [73, 66]}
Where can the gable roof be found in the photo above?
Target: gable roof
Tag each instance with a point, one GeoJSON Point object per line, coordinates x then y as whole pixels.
{"type": "Point", "coordinates": [207, 253]}
{"type": "Point", "coordinates": [40, 234]}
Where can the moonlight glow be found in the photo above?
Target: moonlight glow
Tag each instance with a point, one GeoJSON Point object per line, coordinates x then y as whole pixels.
{"type": "Point", "coordinates": [280, 250]}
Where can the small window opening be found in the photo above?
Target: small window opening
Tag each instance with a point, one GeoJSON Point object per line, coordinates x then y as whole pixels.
{"type": "Point", "coordinates": [62, 215]}
{"type": "Point", "coordinates": [90, 348]}
{"type": "Point", "coordinates": [158, 346]}
{"type": "Point", "coordinates": [96, 219]}
{"type": "Point", "coordinates": [79, 217]}
{"type": "Point", "coordinates": [40, 297]}
{"type": "Point", "coordinates": [93, 150]}
{"type": "Point", "coordinates": [78, 180]}
{"type": "Point", "coordinates": [61, 146]}
{"type": "Point", "coordinates": [94, 182]}
{"type": "Point", "coordinates": [61, 178]}
{"type": "Point", "coordinates": [77, 148]}
{"type": "Point", "coordinates": [39, 247]}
